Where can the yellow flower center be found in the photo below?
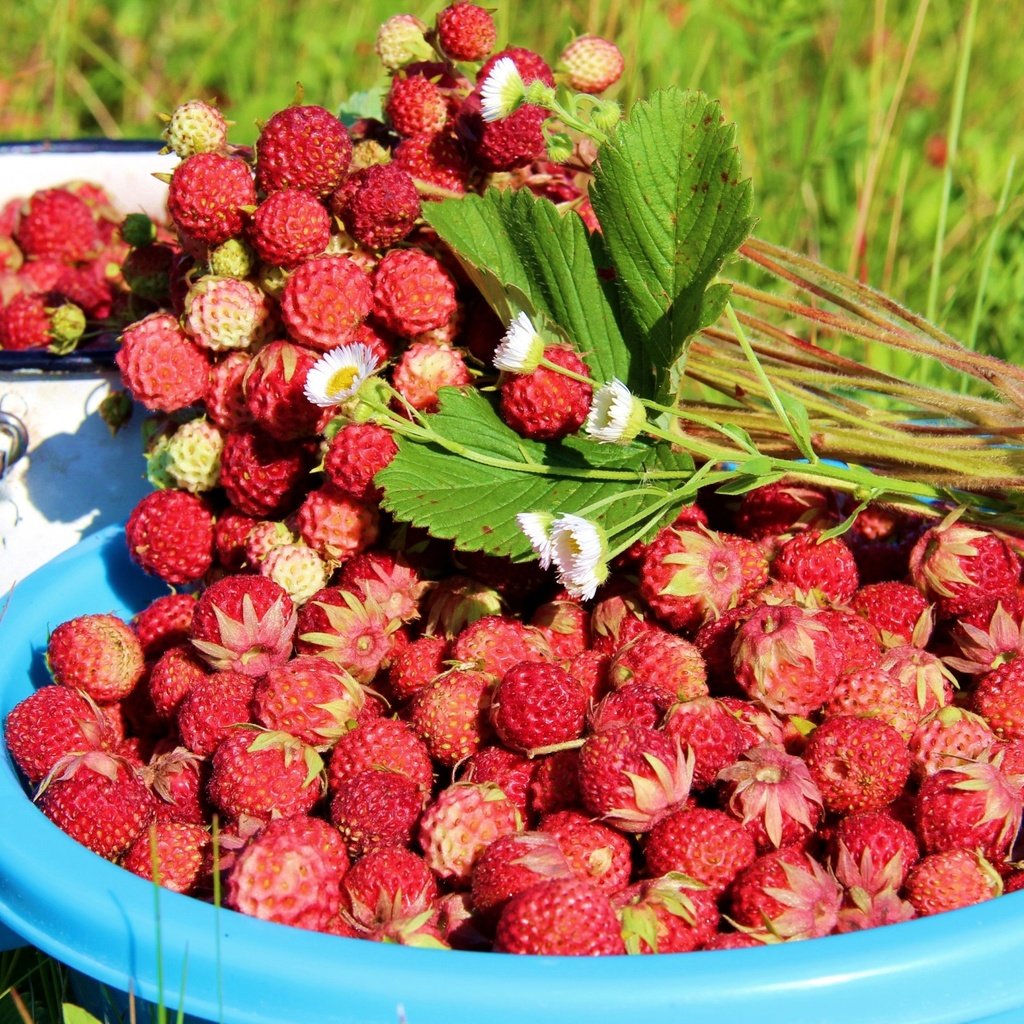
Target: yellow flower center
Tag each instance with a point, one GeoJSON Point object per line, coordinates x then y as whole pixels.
{"type": "Point", "coordinates": [341, 380]}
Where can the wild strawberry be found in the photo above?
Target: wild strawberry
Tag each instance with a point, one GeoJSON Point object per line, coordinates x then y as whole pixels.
{"type": "Point", "coordinates": [858, 764]}
{"type": "Point", "coordinates": [545, 404]}
{"type": "Point", "coordinates": [384, 889]}
{"type": "Point", "coordinates": [207, 194]}
{"type": "Point", "coordinates": [561, 917]}
{"type": "Point", "coordinates": [225, 399]}
{"type": "Point", "coordinates": [161, 366]}
{"type": "Point", "coordinates": [815, 564]}
{"type": "Point", "coordinates": [290, 873]}
{"type": "Point", "coordinates": [893, 608]}
{"type": "Point", "coordinates": [633, 776]}
{"type": "Point", "coordinates": [289, 226]}
{"type": "Point", "coordinates": [781, 508]}
{"type": "Point", "coordinates": [50, 723]}
{"type": "Point", "coordinates": [706, 727]}
{"type": "Point", "coordinates": [951, 564]}
{"type": "Point", "coordinates": [177, 778]}
{"type": "Point", "coordinates": [260, 476]}
{"type": "Point", "coordinates": [171, 677]}
{"type": "Point", "coordinates": [264, 775]}
{"type": "Point", "coordinates": [212, 708]}
{"type": "Point", "coordinates": [460, 822]}
{"type": "Point", "coordinates": [376, 808]}
{"type": "Point", "coordinates": [192, 456]}
{"type": "Point", "coordinates": [171, 853]}
{"type": "Point", "coordinates": [40, 320]}
{"type": "Point", "coordinates": [383, 744]}
{"type": "Point", "coordinates": [304, 147]}
{"type": "Point", "coordinates": [400, 41]}
{"type": "Point", "coordinates": [773, 794]}
{"type": "Point", "coordinates": [98, 654]}
{"type": "Point", "coordinates": [704, 843]}
{"type": "Point", "coordinates": [311, 698]}
{"type": "Point", "coordinates": [554, 784]}
{"type": "Point", "coordinates": [922, 673]}
{"type": "Point", "coordinates": [952, 879]}
{"type": "Point", "coordinates": [450, 715]}
{"type": "Point", "coordinates": [465, 31]}
{"type": "Point", "coordinates": [424, 368]}
{"type": "Point", "coordinates": [335, 525]}
{"type": "Point", "coordinates": [297, 568]}
{"type": "Point", "coordinates": [692, 575]}
{"type": "Point", "coordinates": [57, 224]}
{"type": "Point", "coordinates": [416, 666]}
{"type": "Point", "coordinates": [356, 453]}
{"type": "Point", "coordinates": [592, 63]}
{"type": "Point", "coordinates": [274, 385]}
{"type": "Point", "coordinates": [494, 643]}
{"type": "Point", "coordinates": [669, 914]}
{"type": "Point", "coordinates": [415, 105]}
{"type": "Point", "coordinates": [790, 892]}
{"type": "Point", "coordinates": [324, 301]}
{"type": "Point", "coordinates": [875, 693]}
{"type": "Point", "coordinates": [510, 771]}
{"type": "Point", "coordinates": [436, 159]}
{"type": "Point", "coordinates": [194, 127]}
{"type": "Point", "coordinates": [412, 292]}
{"type": "Point", "coordinates": [244, 623]}
{"type": "Point", "coordinates": [663, 659]}
{"type": "Point", "coordinates": [222, 314]}
{"type": "Point", "coordinates": [99, 800]}
{"type": "Point", "coordinates": [642, 703]}
{"type": "Point", "coordinates": [878, 839]}
{"type": "Point", "coordinates": [537, 705]}
{"type": "Point", "coordinates": [972, 806]}
{"type": "Point", "coordinates": [998, 697]}
{"type": "Point", "coordinates": [379, 205]}
{"type": "Point", "coordinates": [506, 144]}
{"type": "Point", "coordinates": [785, 659]}
{"type": "Point", "coordinates": [947, 737]}
{"type": "Point", "coordinates": [170, 535]}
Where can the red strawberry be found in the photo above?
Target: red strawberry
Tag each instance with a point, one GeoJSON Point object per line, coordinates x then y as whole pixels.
{"type": "Point", "coordinates": [545, 404]}
{"type": "Point", "coordinates": [554, 784]}
{"type": "Point", "coordinates": [244, 624]}
{"type": "Point", "coordinates": [893, 608]}
{"type": "Point", "coordinates": [460, 823]}
{"type": "Point", "coordinates": [780, 508]}
{"type": "Point", "coordinates": [494, 643]}
{"type": "Point", "coordinates": [437, 159]}
{"type": "Point", "coordinates": [669, 914]}
{"type": "Point", "coordinates": [289, 226]}
{"type": "Point", "coordinates": [597, 854]}
{"type": "Point", "coordinates": [57, 224]}
{"type": "Point", "coordinates": [880, 836]}
{"type": "Point", "coordinates": [704, 843]}
{"type": "Point", "coordinates": [951, 879]}
{"type": "Point", "coordinates": [303, 147]}
{"type": "Point", "coordinates": [537, 705]}
{"type": "Point", "coordinates": [325, 300]}
{"type": "Point", "coordinates": [385, 889]}
{"type": "Point", "coordinates": [263, 775]}
{"type": "Point", "coordinates": [50, 723]}
{"type": "Point", "coordinates": [875, 693]}
{"type": "Point", "coordinates": [633, 776]}
{"type": "Point", "coordinates": [465, 31]}
{"type": "Point", "coordinates": [858, 764]}
{"type": "Point", "coordinates": [40, 320]}
{"type": "Point", "coordinates": [415, 105]}
{"type": "Point", "coordinates": [947, 737]}
{"type": "Point", "coordinates": [171, 677]}
{"type": "Point", "coordinates": [412, 292]}
{"type": "Point", "coordinates": [98, 654]}
{"type": "Point", "coordinates": [290, 873]}
{"type": "Point", "coordinates": [664, 660]}
{"type": "Point", "coordinates": [416, 666]}
{"type": "Point", "coordinates": [379, 204]}
{"type": "Point", "coordinates": [562, 917]}
{"type": "Point", "coordinates": [386, 744]}
{"type": "Point", "coordinates": [376, 808]}
{"type": "Point", "coordinates": [707, 727]}
{"type": "Point", "coordinates": [451, 714]}
{"type": "Point", "coordinates": [335, 525]}
{"type": "Point", "coordinates": [511, 772]}
{"type": "Point", "coordinates": [212, 708]}
{"type": "Point", "coordinates": [424, 368]}
{"type": "Point", "coordinates": [177, 777]}
{"type": "Point", "coordinates": [170, 535]}
{"type": "Point", "coordinates": [164, 622]}
{"type": "Point", "coordinates": [225, 399]}
{"type": "Point", "coordinates": [262, 477]}
{"type": "Point", "coordinates": [207, 194]}
{"type": "Point", "coordinates": [815, 564]}
{"type": "Point", "coordinates": [172, 853]}
{"type": "Point", "coordinates": [639, 703]}
{"type": "Point", "coordinates": [161, 366]}
{"type": "Point", "coordinates": [99, 800]}
{"type": "Point", "coordinates": [274, 385]}
{"type": "Point", "coordinates": [387, 578]}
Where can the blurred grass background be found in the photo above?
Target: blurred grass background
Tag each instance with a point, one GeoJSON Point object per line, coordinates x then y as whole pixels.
{"type": "Point", "coordinates": [882, 136]}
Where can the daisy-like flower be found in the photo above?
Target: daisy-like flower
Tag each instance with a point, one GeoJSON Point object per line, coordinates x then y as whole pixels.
{"type": "Point", "coordinates": [616, 415]}
{"type": "Point", "coordinates": [537, 527]}
{"type": "Point", "coordinates": [521, 347]}
{"type": "Point", "coordinates": [339, 374]}
{"type": "Point", "coordinates": [502, 91]}
{"type": "Point", "coordinates": [579, 551]}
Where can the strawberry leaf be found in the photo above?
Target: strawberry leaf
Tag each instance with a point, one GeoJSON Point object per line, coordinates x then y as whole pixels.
{"type": "Point", "coordinates": [473, 499]}
{"type": "Point", "coordinates": [672, 207]}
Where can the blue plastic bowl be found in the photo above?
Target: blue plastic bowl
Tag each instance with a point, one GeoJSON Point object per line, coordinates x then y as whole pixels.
{"type": "Point", "coordinates": [964, 966]}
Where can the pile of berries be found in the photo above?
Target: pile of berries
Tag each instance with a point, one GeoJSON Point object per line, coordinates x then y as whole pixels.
{"type": "Point", "coordinates": [759, 729]}
{"type": "Point", "coordinates": [62, 250]}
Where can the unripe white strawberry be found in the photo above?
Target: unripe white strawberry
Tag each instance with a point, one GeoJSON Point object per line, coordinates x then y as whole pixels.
{"type": "Point", "coordinates": [400, 41]}
{"type": "Point", "coordinates": [223, 313]}
{"type": "Point", "coordinates": [297, 568]}
{"type": "Point", "coordinates": [193, 456]}
{"type": "Point", "coordinates": [195, 127]}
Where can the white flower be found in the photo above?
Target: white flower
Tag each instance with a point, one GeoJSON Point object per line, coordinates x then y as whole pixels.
{"type": "Point", "coordinates": [580, 554]}
{"type": "Point", "coordinates": [339, 374]}
{"type": "Point", "coordinates": [616, 415]}
{"type": "Point", "coordinates": [521, 347]}
{"type": "Point", "coordinates": [502, 91]}
{"type": "Point", "coordinates": [537, 527]}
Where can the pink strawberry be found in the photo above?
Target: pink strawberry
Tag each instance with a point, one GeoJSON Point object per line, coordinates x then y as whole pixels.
{"type": "Point", "coordinates": [451, 714]}
{"type": "Point", "coordinates": [494, 643]}
{"type": "Point", "coordinates": [325, 300]}
{"type": "Point", "coordinates": [424, 368]}
{"type": "Point", "coordinates": [509, 770]}
{"type": "Point", "coordinates": [98, 654]}
{"type": "Point", "coordinates": [161, 365]}
{"type": "Point", "coordinates": [951, 879]}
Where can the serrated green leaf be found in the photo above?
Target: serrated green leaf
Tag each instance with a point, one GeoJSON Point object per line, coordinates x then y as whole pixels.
{"type": "Point", "coordinates": [672, 208]}
{"type": "Point", "coordinates": [519, 250]}
{"type": "Point", "coordinates": [469, 485]}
